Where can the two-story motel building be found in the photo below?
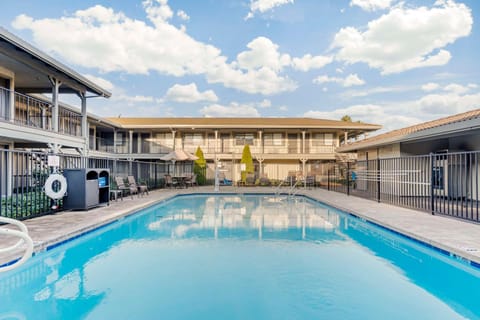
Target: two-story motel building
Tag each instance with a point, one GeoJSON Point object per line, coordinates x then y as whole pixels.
{"type": "Point", "coordinates": [30, 120]}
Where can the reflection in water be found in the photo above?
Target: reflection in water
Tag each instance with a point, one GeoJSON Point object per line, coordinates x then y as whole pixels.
{"type": "Point", "coordinates": [247, 213]}
{"type": "Point", "coordinates": [162, 260]}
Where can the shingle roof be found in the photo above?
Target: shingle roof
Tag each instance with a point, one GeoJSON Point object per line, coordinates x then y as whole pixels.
{"type": "Point", "coordinates": [404, 133]}
{"type": "Point", "coordinates": [241, 123]}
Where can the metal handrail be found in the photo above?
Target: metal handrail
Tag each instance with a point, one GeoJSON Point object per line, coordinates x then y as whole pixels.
{"type": "Point", "coordinates": [24, 238]}
{"type": "Point", "coordinates": [291, 191]}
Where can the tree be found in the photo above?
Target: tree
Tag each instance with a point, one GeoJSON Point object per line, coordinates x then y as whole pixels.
{"type": "Point", "coordinates": [199, 166]}
{"type": "Point", "coordinates": [346, 118]}
{"type": "Point", "coordinates": [248, 161]}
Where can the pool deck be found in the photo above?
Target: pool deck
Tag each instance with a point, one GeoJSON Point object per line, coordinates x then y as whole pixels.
{"type": "Point", "coordinates": [460, 238]}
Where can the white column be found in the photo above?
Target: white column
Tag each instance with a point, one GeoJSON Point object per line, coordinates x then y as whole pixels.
{"type": "Point", "coordinates": [84, 123]}
{"type": "Point", "coordinates": [56, 86]}
{"type": "Point", "coordinates": [114, 140]}
{"type": "Point", "coordinates": [173, 137]}
{"type": "Point", "coordinates": [303, 142]}
{"type": "Point", "coordinates": [11, 111]}
{"type": "Point", "coordinates": [130, 142]}
{"type": "Point", "coordinates": [346, 137]}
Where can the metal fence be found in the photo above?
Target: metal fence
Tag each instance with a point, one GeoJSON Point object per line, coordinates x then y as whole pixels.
{"type": "Point", "coordinates": [442, 183]}
{"type": "Point", "coordinates": [23, 175]}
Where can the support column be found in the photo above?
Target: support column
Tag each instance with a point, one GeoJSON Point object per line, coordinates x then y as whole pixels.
{"type": "Point", "coordinates": [304, 161]}
{"type": "Point", "coordinates": [216, 144]}
{"type": "Point", "coordinates": [94, 147]}
{"type": "Point", "coordinates": [260, 137]}
{"type": "Point", "coordinates": [345, 134]}
{"type": "Point", "coordinates": [84, 122]}
{"type": "Point", "coordinates": [260, 166]}
{"type": "Point", "coordinates": [130, 142]}
{"type": "Point", "coordinates": [114, 140]}
{"type": "Point", "coordinates": [173, 137]}
{"type": "Point", "coordinates": [55, 88]}
{"type": "Point", "coordinates": [139, 142]}
{"type": "Point", "coordinates": [11, 107]}
{"type": "Point", "coordinates": [303, 142]}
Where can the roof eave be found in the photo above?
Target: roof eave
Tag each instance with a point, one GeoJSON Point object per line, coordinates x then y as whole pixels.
{"type": "Point", "coordinates": [24, 46]}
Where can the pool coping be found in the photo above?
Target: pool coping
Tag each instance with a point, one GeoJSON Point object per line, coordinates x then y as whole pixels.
{"type": "Point", "coordinates": [442, 248]}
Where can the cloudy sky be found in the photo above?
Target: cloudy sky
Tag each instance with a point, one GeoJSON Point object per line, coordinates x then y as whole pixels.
{"type": "Point", "coordinates": [388, 62]}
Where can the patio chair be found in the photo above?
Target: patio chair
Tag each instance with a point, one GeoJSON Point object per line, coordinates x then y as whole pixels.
{"type": "Point", "coordinates": [169, 182]}
{"type": "Point", "coordinates": [124, 188]}
{"type": "Point", "coordinates": [192, 180]}
{"type": "Point", "coordinates": [250, 180]}
{"type": "Point", "coordinates": [141, 188]}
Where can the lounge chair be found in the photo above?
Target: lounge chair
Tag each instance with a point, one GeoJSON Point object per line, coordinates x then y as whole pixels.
{"type": "Point", "coordinates": [141, 188]}
{"type": "Point", "coordinates": [124, 188]}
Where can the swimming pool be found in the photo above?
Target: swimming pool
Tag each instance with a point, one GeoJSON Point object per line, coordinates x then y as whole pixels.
{"type": "Point", "coordinates": [240, 257]}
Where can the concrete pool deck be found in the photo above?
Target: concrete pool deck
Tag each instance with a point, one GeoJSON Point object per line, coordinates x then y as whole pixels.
{"type": "Point", "coordinates": [458, 237]}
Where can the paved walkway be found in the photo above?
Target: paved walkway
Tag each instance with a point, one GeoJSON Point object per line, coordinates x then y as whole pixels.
{"type": "Point", "coordinates": [456, 236]}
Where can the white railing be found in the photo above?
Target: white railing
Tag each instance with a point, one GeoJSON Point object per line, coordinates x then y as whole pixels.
{"type": "Point", "coordinates": [24, 239]}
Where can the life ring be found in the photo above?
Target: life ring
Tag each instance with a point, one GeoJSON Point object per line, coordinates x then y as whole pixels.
{"type": "Point", "coordinates": [55, 195]}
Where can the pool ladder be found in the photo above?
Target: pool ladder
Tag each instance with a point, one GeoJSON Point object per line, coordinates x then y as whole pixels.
{"type": "Point", "coordinates": [292, 191]}
{"type": "Point", "coordinates": [24, 238]}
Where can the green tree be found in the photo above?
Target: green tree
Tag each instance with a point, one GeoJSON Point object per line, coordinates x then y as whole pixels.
{"type": "Point", "coordinates": [346, 118]}
{"type": "Point", "coordinates": [248, 161]}
{"type": "Point", "coordinates": [199, 166]}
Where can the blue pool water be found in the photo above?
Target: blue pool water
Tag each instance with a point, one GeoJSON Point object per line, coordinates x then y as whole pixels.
{"type": "Point", "coordinates": [241, 257]}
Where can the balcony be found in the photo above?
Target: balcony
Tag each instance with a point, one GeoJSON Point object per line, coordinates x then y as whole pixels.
{"type": "Point", "coordinates": [36, 113]}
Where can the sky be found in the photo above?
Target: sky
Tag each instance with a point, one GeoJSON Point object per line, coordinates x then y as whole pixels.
{"type": "Point", "coordinates": [388, 62]}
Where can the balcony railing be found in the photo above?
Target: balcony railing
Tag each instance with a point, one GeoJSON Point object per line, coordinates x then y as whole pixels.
{"type": "Point", "coordinates": [35, 113]}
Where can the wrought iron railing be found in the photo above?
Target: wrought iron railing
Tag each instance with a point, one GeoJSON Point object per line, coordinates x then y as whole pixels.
{"type": "Point", "coordinates": [36, 113]}
{"type": "Point", "coordinates": [23, 175]}
{"type": "Point", "coordinates": [445, 183]}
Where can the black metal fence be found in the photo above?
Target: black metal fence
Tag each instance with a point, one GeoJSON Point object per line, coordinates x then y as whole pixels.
{"type": "Point", "coordinates": [23, 175]}
{"type": "Point", "coordinates": [441, 183]}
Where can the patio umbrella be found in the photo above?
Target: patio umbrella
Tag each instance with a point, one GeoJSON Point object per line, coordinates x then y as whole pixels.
{"type": "Point", "coordinates": [178, 155]}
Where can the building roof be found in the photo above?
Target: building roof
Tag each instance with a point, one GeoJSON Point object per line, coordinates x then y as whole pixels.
{"type": "Point", "coordinates": [15, 49]}
{"type": "Point", "coordinates": [241, 123]}
{"type": "Point", "coordinates": [456, 123]}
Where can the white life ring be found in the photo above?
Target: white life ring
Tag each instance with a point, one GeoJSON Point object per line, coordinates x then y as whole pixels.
{"type": "Point", "coordinates": [55, 195]}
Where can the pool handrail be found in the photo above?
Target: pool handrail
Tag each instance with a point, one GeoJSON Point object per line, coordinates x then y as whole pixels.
{"type": "Point", "coordinates": [24, 238]}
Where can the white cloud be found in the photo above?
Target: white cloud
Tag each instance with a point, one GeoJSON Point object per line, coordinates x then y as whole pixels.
{"type": "Point", "coordinates": [456, 88]}
{"type": "Point", "coordinates": [372, 5]}
{"type": "Point", "coordinates": [232, 110]}
{"type": "Point", "coordinates": [183, 15]}
{"type": "Point", "coordinates": [431, 86]}
{"type": "Point", "coordinates": [308, 62]}
{"type": "Point", "coordinates": [399, 114]}
{"type": "Point", "coordinates": [134, 99]}
{"type": "Point", "coordinates": [406, 38]}
{"type": "Point", "coordinates": [104, 83]}
{"type": "Point", "coordinates": [189, 93]}
{"type": "Point", "coordinates": [376, 90]}
{"type": "Point", "coordinates": [263, 53]}
{"type": "Point", "coordinates": [264, 6]}
{"type": "Point", "coordinates": [265, 104]}
{"type": "Point", "coordinates": [109, 41]}
{"type": "Point", "coordinates": [350, 80]}
{"type": "Point", "coordinates": [369, 113]}
{"type": "Point", "coordinates": [447, 104]}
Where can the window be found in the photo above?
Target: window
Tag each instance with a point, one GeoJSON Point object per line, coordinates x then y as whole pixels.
{"type": "Point", "coordinates": [438, 182]}
{"type": "Point", "coordinates": [243, 139]}
{"type": "Point", "coordinates": [322, 139]}
{"type": "Point", "coordinates": [273, 139]}
{"type": "Point", "coordinates": [193, 139]}
{"type": "Point", "coordinates": [163, 139]}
